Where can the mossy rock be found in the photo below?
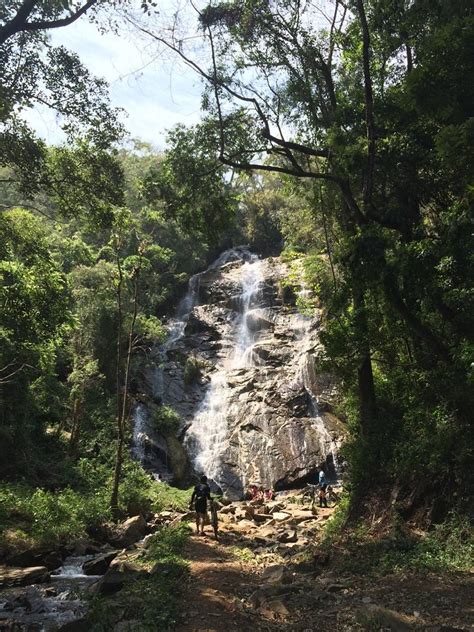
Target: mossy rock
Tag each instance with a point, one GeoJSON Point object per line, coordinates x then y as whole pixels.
{"type": "Point", "coordinates": [178, 458]}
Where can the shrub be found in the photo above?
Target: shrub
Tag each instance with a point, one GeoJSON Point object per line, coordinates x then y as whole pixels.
{"type": "Point", "coordinates": [192, 370]}
{"type": "Point", "coordinates": [166, 420]}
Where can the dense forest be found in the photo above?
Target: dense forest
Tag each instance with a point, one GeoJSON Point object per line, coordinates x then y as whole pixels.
{"type": "Point", "coordinates": [335, 135]}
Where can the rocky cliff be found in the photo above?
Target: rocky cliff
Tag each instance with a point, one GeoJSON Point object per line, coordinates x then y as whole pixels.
{"type": "Point", "coordinates": [238, 368]}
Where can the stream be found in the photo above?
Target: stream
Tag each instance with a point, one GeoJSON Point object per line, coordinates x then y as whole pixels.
{"type": "Point", "coordinates": [49, 606]}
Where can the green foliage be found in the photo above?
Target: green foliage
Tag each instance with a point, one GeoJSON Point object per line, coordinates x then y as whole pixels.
{"type": "Point", "coordinates": [40, 517]}
{"type": "Point", "coordinates": [153, 603]}
{"type": "Point", "coordinates": [334, 527]}
{"type": "Point", "coordinates": [165, 420]}
{"type": "Point", "coordinates": [447, 547]}
{"type": "Point", "coordinates": [46, 518]}
{"type": "Point", "coordinates": [192, 370]}
{"type": "Point", "coordinates": [188, 186]}
{"type": "Point", "coordinates": [34, 73]}
{"type": "Point", "coordinates": [167, 497]}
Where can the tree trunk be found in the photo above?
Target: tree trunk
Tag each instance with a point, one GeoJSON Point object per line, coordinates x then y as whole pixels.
{"type": "Point", "coordinates": [369, 107]}
{"type": "Point", "coordinates": [123, 410]}
{"type": "Point", "coordinates": [365, 376]}
{"type": "Point", "coordinates": [120, 435]}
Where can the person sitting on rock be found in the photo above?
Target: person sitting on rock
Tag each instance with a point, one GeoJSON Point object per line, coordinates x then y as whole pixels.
{"type": "Point", "coordinates": [251, 492]}
{"type": "Point", "coordinates": [268, 495]}
{"type": "Point", "coordinates": [201, 494]}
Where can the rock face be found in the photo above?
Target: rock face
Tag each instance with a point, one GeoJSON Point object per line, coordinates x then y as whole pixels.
{"type": "Point", "coordinates": [254, 410]}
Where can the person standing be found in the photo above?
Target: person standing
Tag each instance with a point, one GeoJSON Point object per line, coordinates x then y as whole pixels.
{"type": "Point", "coordinates": [201, 494]}
{"type": "Point", "coordinates": [323, 483]}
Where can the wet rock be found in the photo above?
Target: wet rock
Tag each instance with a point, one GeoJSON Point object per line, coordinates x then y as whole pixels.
{"type": "Point", "coordinates": [32, 601]}
{"type": "Point", "coordinates": [100, 564]}
{"type": "Point", "coordinates": [23, 576]}
{"type": "Point", "coordinates": [257, 319]}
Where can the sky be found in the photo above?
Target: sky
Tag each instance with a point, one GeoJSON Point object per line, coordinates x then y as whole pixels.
{"type": "Point", "coordinates": [155, 92]}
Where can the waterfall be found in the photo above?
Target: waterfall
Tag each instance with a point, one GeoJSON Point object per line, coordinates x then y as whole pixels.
{"type": "Point", "coordinates": [142, 431]}
{"type": "Point", "coordinates": [253, 409]}
{"type": "Point", "coordinates": [208, 435]}
{"type": "Point", "coordinates": [175, 326]}
{"type": "Point", "coordinates": [247, 333]}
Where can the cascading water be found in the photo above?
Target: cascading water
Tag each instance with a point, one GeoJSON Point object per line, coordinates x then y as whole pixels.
{"type": "Point", "coordinates": [142, 427]}
{"type": "Point", "coordinates": [238, 369]}
{"type": "Point", "coordinates": [251, 281]}
{"type": "Point", "coordinates": [208, 435]}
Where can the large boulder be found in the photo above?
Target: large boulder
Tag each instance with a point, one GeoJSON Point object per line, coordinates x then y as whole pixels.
{"type": "Point", "coordinates": [130, 532]}
{"type": "Point", "coordinates": [121, 570]}
{"type": "Point", "coordinates": [23, 576]}
{"type": "Point", "coordinates": [52, 559]}
{"type": "Point", "coordinates": [272, 404]}
{"type": "Point", "coordinates": [99, 565]}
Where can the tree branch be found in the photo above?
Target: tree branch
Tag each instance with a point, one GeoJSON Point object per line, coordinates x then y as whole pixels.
{"type": "Point", "coordinates": [20, 23]}
{"type": "Point", "coordinates": [369, 106]}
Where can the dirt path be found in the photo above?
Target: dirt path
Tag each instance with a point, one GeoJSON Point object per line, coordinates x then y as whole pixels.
{"type": "Point", "coordinates": [217, 584]}
{"type": "Point", "coordinates": [243, 583]}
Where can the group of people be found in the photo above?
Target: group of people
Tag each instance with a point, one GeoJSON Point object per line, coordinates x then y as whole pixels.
{"type": "Point", "coordinates": [257, 494]}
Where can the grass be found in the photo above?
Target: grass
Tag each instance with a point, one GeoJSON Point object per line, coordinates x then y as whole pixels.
{"type": "Point", "coordinates": [151, 603]}
{"type": "Point", "coordinates": [244, 554]}
{"type": "Point", "coordinates": [448, 547]}
{"type": "Point", "coordinates": [164, 496]}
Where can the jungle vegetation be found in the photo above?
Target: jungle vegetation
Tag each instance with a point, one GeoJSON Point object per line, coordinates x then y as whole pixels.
{"type": "Point", "coordinates": [344, 138]}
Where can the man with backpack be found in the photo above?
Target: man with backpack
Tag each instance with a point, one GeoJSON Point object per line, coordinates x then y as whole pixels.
{"type": "Point", "coordinates": [201, 494]}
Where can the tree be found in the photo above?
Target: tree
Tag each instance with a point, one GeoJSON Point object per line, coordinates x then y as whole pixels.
{"type": "Point", "coordinates": [189, 186]}
{"type": "Point", "coordinates": [31, 16]}
{"type": "Point", "coordinates": [271, 71]}
{"type": "Point", "coordinates": [35, 315]}
{"type": "Point", "coordinates": [32, 72]}
{"type": "Point", "coordinates": [356, 98]}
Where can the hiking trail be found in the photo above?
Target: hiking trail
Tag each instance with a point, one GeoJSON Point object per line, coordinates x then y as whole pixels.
{"type": "Point", "coordinates": [267, 573]}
